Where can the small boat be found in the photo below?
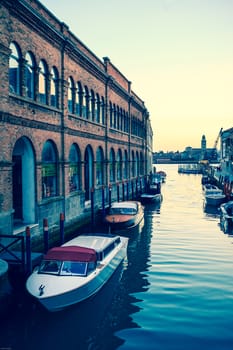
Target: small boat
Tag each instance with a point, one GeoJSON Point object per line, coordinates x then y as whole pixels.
{"type": "Point", "coordinates": [76, 270]}
{"type": "Point", "coordinates": [210, 188]}
{"type": "Point", "coordinates": [150, 197]}
{"type": "Point", "coordinates": [215, 198]}
{"type": "Point", "coordinates": [124, 215]}
{"type": "Point", "coordinates": [162, 174]}
{"type": "Point", "coordinates": [226, 214]}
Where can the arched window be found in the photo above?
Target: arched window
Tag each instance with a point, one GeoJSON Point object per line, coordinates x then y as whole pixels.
{"type": "Point", "coordinates": [30, 76]}
{"type": "Point", "coordinates": [86, 107]}
{"type": "Point", "coordinates": [49, 170]}
{"type": "Point", "coordinates": [54, 88]}
{"type": "Point", "coordinates": [74, 169]}
{"type": "Point", "coordinates": [125, 165]}
{"type": "Point", "coordinates": [111, 114]}
{"type": "Point", "coordinates": [118, 118]}
{"type": "Point", "coordinates": [71, 97]}
{"type": "Point", "coordinates": [14, 70]}
{"type": "Point", "coordinates": [43, 82]}
{"type": "Point", "coordinates": [132, 164]}
{"type": "Point", "coordinates": [102, 116]}
{"type": "Point", "coordinates": [99, 166]}
{"type": "Point", "coordinates": [93, 105]}
{"type": "Point", "coordinates": [97, 108]}
{"type": "Point", "coordinates": [119, 165]}
{"type": "Point", "coordinates": [114, 116]}
{"type": "Point", "coordinates": [112, 165]}
{"type": "Point", "coordinates": [79, 99]}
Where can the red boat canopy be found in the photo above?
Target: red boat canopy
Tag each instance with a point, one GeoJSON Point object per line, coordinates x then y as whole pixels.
{"type": "Point", "coordinates": [71, 253]}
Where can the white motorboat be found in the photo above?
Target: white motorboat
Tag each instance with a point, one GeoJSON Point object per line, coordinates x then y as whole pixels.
{"type": "Point", "coordinates": [76, 270]}
{"type": "Point", "coordinates": [124, 215]}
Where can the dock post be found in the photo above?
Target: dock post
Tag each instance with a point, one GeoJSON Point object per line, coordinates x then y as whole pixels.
{"type": "Point", "coordinates": [127, 188]}
{"type": "Point", "coordinates": [118, 193]}
{"type": "Point", "coordinates": [62, 219]}
{"type": "Point", "coordinates": [110, 195]}
{"type": "Point", "coordinates": [28, 251]}
{"type": "Point", "coordinates": [132, 189]}
{"type": "Point", "coordinates": [103, 203]}
{"type": "Point", "coordinates": [46, 235]}
{"type": "Point", "coordinates": [92, 207]}
{"type": "Point", "coordinates": [123, 191]}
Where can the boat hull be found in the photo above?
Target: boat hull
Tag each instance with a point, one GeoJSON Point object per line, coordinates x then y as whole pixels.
{"type": "Point", "coordinates": [70, 290]}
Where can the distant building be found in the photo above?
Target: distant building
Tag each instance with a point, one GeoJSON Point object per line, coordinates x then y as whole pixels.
{"type": "Point", "coordinates": [188, 155]}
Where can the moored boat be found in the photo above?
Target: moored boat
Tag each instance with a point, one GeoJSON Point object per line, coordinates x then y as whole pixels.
{"type": "Point", "coordinates": [215, 198]}
{"type": "Point", "coordinates": [76, 270]}
{"type": "Point", "coordinates": [226, 214]}
{"type": "Point", "coordinates": [124, 215]}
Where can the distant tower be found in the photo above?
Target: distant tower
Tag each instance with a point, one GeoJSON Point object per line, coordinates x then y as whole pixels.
{"type": "Point", "coordinates": [203, 147]}
{"type": "Point", "coordinates": [203, 143]}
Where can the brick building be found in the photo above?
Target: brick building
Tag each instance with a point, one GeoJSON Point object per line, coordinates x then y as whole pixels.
{"type": "Point", "coordinates": [70, 123]}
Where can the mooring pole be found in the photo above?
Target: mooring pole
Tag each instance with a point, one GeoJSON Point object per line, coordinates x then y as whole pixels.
{"type": "Point", "coordinates": [62, 236]}
{"type": "Point", "coordinates": [28, 251]}
{"type": "Point", "coordinates": [92, 207]}
{"type": "Point", "coordinates": [46, 235]}
{"type": "Point", "coordinates": [103, 203]}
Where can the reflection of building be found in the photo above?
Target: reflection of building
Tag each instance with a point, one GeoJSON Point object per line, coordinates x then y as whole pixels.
{"type": "Point", "coordinates": [69, 123]}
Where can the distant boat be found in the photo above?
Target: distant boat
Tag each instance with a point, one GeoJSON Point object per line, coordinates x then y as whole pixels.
{"type": "Point", "coordinates": [76, 270]}
{"type": "Point", "coordinates": [124, 215]}
{"type": "Point", "coordinates": [194, 168]}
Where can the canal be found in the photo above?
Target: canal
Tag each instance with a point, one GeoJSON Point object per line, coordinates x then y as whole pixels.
{"type": "Point", "coordinates": [174, 292]}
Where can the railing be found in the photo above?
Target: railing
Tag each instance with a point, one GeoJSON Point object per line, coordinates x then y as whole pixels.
{"type": "Point", "coordinates": [16, 255]}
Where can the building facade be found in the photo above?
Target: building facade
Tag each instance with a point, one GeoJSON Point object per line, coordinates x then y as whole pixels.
{"type": "Point", "coordinates": [70, 124]}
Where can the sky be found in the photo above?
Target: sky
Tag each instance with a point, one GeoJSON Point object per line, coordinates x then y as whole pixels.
{"type": "Point", "coordinates": [178, 54]}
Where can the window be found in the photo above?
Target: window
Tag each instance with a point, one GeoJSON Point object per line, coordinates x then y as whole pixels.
{"type": "Point", "coordinates": [86, 107]}
{"type": "Point", "coordinates": [99, 166]}
{"type": "Point", "coordinates": [49, 170]}
{"type": "Point", "coordinates": [97, 111]}
{"type": "Point", "coordinates": [43, 83]}
{"type": "Point", "coordinates": [132, 165]}
{"type": "Point", "coordinates": [30, 76]}
{"type": "Point", "coordinates": [54, 88]}
{"type": "Point", "coordinates": [74, 169]}
{"type": "Point", "coordinates": [112, 166]}
{"type": "Point", "coordinates": [102, 111]}
{"type": "Point", "coordinates": [119, 165]}
{"type": "Point", "coordinates": [125, 165]}
{"type": "Point", "coordinates": [14, 70]}
{"type": "Point", "coordinates": [93, 104]}
{"type": "Point", "coordinates": [111, 114]}
{"type": "Point", "coordinates": [71, 98]}
{"type": "Point", "coordinates": [79, 99]}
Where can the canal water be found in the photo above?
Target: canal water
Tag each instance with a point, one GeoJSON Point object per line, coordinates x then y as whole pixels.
{"type": "Point", "coordinates": [174, 292]}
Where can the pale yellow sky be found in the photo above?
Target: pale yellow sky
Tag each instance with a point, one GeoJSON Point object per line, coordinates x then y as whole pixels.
{"type": "Point", "coordinates": [177, 53]}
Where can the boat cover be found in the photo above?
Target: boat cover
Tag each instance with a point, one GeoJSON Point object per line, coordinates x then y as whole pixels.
{"type": "Point", "coordinates": [71, 253]}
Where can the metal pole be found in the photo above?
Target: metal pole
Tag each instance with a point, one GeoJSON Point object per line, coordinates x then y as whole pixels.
{"type": "Point", "coordinates": [46, 235]}
{"type": "Point", "coordinates": [62, 219]}
{"type": "Point", "coordinates": [28, 250]}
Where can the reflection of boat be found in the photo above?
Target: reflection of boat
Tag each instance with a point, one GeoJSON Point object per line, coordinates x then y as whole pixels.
{"type": "Point", "coordinates": [124, 215]}
{"type": "Point", "coordinates": [226, 214]}
{"type": "Point", "coordinates": [75, 271]}
{"type": "Point", "coordinates": [215, 198]}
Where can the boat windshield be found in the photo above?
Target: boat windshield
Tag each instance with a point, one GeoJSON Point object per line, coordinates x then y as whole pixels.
{"type": "Point", "coordinates": [50, 266]}
{"type": "Point", "coordinates": [123, 211]}
{"type": "Point", "coordinates": [77, 268]}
